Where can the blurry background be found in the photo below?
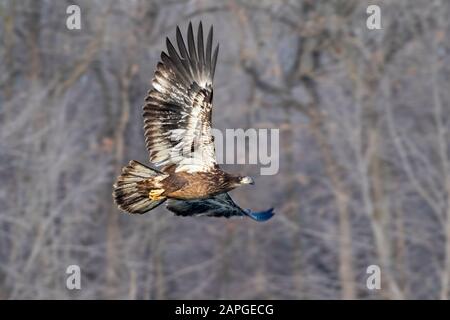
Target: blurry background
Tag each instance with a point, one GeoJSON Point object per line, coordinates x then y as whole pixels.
{"type": "Point", "coordinates": [364, 144]}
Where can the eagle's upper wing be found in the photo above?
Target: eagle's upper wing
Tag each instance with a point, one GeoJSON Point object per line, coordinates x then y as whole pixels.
{"type": "Point", "coordinates": [177, 114]}
{"type": "Point", "coordinates": [218, 206]}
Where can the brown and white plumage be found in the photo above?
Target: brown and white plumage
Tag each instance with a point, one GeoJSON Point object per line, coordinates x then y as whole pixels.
{"type": "Point", "coordinates": [177, 125]}
{"type": "Point", "coordinates": [177, 115]}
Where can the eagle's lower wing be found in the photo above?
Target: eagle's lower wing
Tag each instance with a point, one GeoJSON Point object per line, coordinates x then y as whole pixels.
{"type": "Point", "coordinates": [177, 114]}
{"type": "Point", "coordinates": [218, 206]}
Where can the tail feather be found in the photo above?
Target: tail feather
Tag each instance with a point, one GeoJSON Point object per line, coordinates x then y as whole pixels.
{"type": "Point", "coordinates": [131, 193]}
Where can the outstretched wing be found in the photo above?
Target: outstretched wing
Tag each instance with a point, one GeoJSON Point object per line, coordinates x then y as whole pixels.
{"type": "Point", "coordinates": [218, 206]}
{"type": "Point", "coordinates": [177, 114]}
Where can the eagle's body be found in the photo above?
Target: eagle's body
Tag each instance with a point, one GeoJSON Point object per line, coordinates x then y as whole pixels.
{"type": "Point", "coordinates": [197, 185]}
{"type": "Point", "coordinates": [177, 125]}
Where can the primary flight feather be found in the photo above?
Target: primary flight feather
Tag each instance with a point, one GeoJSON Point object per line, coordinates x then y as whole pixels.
{"type": "Point", "coordinates": [177, 126]}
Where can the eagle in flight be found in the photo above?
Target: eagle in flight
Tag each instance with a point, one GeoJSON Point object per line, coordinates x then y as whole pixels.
{"type": "Point", "coordinates": [177, 126]}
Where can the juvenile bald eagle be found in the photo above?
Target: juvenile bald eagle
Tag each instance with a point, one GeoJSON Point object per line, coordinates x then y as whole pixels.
{"type": "Point", "coordinates": [177, 125]}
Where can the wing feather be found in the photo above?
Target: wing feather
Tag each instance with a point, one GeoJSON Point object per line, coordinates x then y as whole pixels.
{"type": "Point", "coordinates": [201, 55]}
{"type": "Point", "coordinates": [177, 113]}
{"type": "Point", "coordinates": [209, 50]}
{"type": "Point", "coordinates": [220, 205]}
{"type": "Point", "coordinates": [213, 63]}
{"type": "Point", "coordinates": [192, 53]}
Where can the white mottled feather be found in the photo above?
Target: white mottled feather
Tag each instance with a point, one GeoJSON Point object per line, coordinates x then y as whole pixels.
{"type": "Point", "coordinates": [178, 110]}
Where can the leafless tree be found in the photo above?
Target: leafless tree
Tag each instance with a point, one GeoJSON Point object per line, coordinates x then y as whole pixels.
{"type": "Point", "coordinates": [364, 159]}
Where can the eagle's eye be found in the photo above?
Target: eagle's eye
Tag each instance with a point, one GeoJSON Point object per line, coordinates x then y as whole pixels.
{"type": "Point", "coordinates": [247, 180]}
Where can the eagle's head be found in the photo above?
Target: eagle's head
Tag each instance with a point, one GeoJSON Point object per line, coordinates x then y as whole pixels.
{"type": "Point", "coordinates": [246, 180]}
{"type": "Point", "coordinates": [232, 181]}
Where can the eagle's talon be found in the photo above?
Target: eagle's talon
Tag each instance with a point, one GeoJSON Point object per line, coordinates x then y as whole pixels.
{"type": "Point", "coordinates": [155, 195]}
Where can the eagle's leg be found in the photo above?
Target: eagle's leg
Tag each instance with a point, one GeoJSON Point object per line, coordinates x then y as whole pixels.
{"type": "Point", "coordinates": [155, 194]}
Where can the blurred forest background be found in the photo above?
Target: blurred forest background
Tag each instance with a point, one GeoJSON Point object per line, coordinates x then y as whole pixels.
{"type": "Point", "coordinates": [364, 170]}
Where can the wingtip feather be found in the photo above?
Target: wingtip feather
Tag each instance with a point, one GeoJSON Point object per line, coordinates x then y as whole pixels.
{"type": "Point", "coordinates": [260, 216]}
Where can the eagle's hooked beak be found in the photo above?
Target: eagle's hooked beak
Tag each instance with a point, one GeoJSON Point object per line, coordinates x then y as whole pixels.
{"type": "Point", "coordinates": [247, 180]}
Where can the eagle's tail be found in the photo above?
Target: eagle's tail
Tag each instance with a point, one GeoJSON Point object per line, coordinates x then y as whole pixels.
{"type": "Point", "coordinates": [131, 192]}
